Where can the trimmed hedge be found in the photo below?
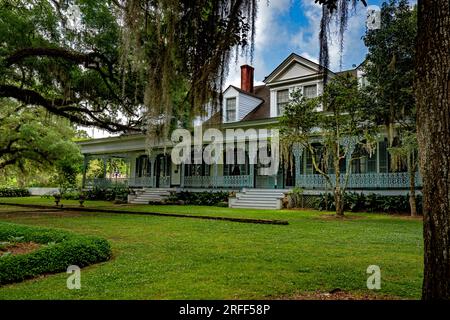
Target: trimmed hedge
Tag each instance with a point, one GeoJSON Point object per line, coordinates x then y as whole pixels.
{"type": "Point", "coordinates": [14, 192]}
{"type": "Point", "coordinates": [206, 198]}
{"type": "Point", "coordinates": [357, 202]}
{"type": "Point", "coordinates": [61, 250]}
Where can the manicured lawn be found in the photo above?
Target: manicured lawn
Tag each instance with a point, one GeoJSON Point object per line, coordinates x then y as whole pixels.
{"type": "Point", "coordinates": [178, 258]}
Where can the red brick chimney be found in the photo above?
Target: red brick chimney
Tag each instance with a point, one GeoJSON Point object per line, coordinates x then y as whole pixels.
{"type": "Point", "coordinates": [247, 78]}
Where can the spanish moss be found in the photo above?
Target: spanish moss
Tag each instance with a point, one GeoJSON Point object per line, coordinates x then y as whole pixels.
{"type": "Point", "coordinates": [182, 48]}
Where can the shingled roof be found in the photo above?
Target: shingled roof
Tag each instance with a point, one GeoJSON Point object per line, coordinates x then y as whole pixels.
{"type": "Point", "coordinates": [262, 111]}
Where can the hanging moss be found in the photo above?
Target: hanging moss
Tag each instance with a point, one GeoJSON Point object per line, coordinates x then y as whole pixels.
{"type": "Point", "coordinates": [181, 49]}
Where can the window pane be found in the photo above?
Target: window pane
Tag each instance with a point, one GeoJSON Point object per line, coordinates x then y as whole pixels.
{"type": "Point", "coordinates": [231, 109]}
{"type": "Point", "coordinates": [282, 100]}
{"type": "Point", "coordinates": [310, 91]}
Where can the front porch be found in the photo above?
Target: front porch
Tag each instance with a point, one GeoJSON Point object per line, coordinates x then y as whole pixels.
{"type": "Point", "coordinates": [137, 168]}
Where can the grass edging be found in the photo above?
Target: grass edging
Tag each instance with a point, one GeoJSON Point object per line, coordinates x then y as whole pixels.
{"type": "Point", "coordinates": [178, 215]}
{"type": "Point", "coordinates": [61, 250]}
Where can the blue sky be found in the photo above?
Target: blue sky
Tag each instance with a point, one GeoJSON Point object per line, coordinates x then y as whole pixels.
{"type": "Point", "coordinates": [286, 26]}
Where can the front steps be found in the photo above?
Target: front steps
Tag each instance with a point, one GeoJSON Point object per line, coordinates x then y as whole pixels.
{"type": "Point", "coordinates": [258, 199]}
{"type": "Point", "coordinates": [145, 196]}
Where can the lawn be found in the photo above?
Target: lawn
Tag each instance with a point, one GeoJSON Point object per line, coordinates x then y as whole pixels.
{"type": "Point", "coordinates": [177, 258]}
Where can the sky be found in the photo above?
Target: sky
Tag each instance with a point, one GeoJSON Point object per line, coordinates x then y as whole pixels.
{"type": "Point", "coordinates": [286, 26]}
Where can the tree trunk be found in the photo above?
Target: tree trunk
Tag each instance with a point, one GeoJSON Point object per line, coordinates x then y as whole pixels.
{"type": "Point", "coordinates": [338, 196]}
{"type": "Point", "coordinates": [412, 187]}
{"type": "Point", "coordinates": [433, 133]}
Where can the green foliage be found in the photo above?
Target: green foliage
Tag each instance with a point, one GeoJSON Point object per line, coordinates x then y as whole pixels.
{"type": "Point", "coordinates": [206, 198]}
{"type": "Point", "coordinates": [296, 195]}
{"type": "Point", "coordinates": [66, 249]}
{"type": "Point", "coordinates": [114, 192]}
{"type": "Point", "coordinates": [330, 136]}
{"type": "Point", "coordinates": [34, 144]}
{"type": "Point", "coordinates": [359, 202]}
{"type": "Point", "coordinates": [389, 66]}
{"type": "Point", "coordinates": [14, 192]}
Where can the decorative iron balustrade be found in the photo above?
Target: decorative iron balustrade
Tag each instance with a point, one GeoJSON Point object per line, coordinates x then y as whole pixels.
{"type": "Point", "coordinates": [218, 181]}
{"type": "Point", "coordinates": [106, 182]}
{"type": "Point", "coordinates": [391, 180]}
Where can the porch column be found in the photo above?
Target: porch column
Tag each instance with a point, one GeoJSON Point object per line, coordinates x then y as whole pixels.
{"type": "Point", "coordinates": [182, 175]}
{"type": "Point", "coordinates": [216, 171]}
{"type": "Point", "coordinates": [85, 167]}
{"type": "Point", "coordinates": [104, 166]}
{"type": "Point", "coordinates": [252, 175]}
{"type": "Point", "coordinates": [152, 171]}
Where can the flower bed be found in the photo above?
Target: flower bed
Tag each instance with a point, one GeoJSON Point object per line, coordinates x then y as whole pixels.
{"type": "Point", "coordinates": [59, 250]}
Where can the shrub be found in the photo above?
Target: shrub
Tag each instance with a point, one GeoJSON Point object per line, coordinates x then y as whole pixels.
{"type": "Point", "coordinates": [371, 203]}
{"type": "Point", "coordinates": [14, 192]}
{"type": "Point", "coordinates": [200, 198]}
{"type": "Point", "coordinates": [61, 249]}
{"type": "Point", "coordinates": [113, 192]}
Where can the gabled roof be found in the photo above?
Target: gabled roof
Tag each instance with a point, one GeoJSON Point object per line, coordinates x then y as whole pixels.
{"type": "Point", "coordinates": [254, 95]}
{"type": "Point", "coordinates": [293, 57]}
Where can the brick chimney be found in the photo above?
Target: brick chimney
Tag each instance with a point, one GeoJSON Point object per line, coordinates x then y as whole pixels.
{"type": "Point", "coordinates": [247, 78]}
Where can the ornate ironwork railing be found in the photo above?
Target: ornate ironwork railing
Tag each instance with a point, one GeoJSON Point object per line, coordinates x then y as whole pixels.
{"type": "Point", "coordinates": [392, 180]}
{"type": "Point", "coordinates": [106, 182]}
{"type": "Point", "coordinates": [218, 181]}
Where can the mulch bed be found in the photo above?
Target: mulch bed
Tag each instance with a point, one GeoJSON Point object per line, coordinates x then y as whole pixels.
{"type": "Point", "coordinates": [338, 295]}
{"type": "Point", "coordinates": [177, 215]}
{"type": "Point", "coordinates": [20, 248]}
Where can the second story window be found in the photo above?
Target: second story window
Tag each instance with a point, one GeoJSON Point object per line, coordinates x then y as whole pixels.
{"type": "Point", "coordinates": [282, 100]}
{"type": "Point", "coordinates": [310, 91]}
{"type": "Point", "coordinates": [230, 110]}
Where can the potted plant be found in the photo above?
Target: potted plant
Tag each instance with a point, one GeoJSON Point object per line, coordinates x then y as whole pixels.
{"type": "Point", "coordinates": [57, 197]}
{"type": "Point", "coordinates": [81, 199]}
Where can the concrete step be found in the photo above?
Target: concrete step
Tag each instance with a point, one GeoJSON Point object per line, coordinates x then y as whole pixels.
{"type": "Point", "coordinates": [257, 197]}
{"type": "Point", "coordinates": [262, 202]}
{"type": "Point", "coordinates": [254, 206]}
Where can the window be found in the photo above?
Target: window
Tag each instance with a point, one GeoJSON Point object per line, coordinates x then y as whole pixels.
{"type": "Point", "coordinates": [282, 100]}
{"type": "Point", "coordinates": [193, 169]}
{"type": "Point", "coordinates": [230, 110]}
{"type": "Point", "coordinates": [236, 169]}
{"type": "Point", "coordinates": [310, 91]}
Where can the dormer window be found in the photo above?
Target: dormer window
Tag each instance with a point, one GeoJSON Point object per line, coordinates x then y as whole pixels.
{"type": "Point", "coordinates": [310, 91]}
{"type": "Point", "coordinates": [230, 110]}
{"type": "Point", "coordinates": [282, 100]}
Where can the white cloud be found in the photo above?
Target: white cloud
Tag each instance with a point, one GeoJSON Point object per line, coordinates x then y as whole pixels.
{"type": "Point", "coordinates": [306, 39]}
{"type": "Point", "coordinates": [270, 35]}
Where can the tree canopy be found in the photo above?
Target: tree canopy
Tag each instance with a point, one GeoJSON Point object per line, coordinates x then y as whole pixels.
{"type": "Point", "coordinates": [121, 65]}
{"type": "Point", "coordinates": [32, 140]}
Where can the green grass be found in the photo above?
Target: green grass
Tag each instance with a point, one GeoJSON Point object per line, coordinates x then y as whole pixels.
{"type": "Point", "coordinates": [177, 258]}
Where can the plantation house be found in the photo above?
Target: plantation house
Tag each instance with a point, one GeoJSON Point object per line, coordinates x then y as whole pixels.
{"type": "Point", "coordinates": [246, 107]}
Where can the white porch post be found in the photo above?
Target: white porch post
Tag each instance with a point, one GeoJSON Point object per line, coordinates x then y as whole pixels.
{"type": "Point", "coordinates": [85, 167]}
{"type": "Point", "coordinates": [104, 166]}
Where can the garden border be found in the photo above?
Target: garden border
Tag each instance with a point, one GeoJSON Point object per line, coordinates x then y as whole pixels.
{"type": "Point", "coordinates": [176, 215]}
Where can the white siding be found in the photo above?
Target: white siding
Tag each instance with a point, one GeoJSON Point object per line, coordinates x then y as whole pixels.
{"type": "Point", "coordinates": [246, 105]}
{"type": "Point", "coordinates": [292, 88]}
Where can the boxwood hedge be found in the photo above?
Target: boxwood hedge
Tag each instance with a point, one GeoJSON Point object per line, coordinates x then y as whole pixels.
{"type": "Point", "coordinates": [14, 192]}
{"type": "Point", "coordinates": [60, 249]}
